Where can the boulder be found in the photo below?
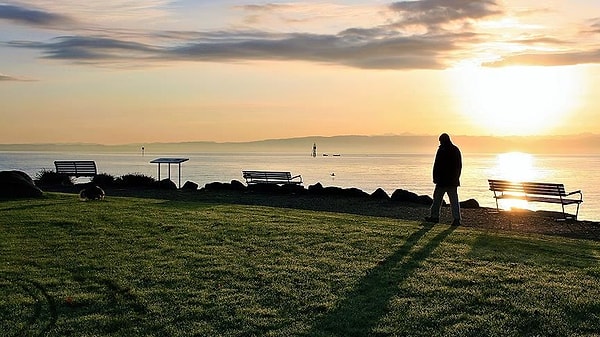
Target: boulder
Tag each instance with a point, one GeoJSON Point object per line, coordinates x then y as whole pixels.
{"type": "Point", "coordinates": [167, 184]}
{"type": "Point", "coordinates": [354, 192]}
{"type": "Point", "coordinates": [380, 194]}
{"type": "Point", "coordinates": [425, 200]}
{"type": "Point", "coordinates": [190, 186]}
{"type": "Point", "coordinates": [470, 203]}
{"type": "Point", "coordinates": [264, 188]}
{"type": "Point", "coordinates": [333, 191]}
{"type": "Point", "coordinates": [17, 184]}
{"type": "Point", "coordinates": [293, 189]}
{"type": "Point", "coordinates": [401, 195]}
{"type": "Point", "coordinates": [237, 185]}
{"type": "Point", "coordinates": [316, 189]}
{"type": "Point", "coordinates": [217, 186]}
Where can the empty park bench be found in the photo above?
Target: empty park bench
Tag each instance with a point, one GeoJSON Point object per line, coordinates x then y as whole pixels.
{"type": "Point", "coordinates": [271, 177]}
{"type": "Point", "coordinates": [76, 168]}
{"type": "Point", "coordinates": [535, 192]}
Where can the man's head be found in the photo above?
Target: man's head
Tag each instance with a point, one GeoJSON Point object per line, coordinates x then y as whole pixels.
{"type": "Point", "coordinates": [445, 139]}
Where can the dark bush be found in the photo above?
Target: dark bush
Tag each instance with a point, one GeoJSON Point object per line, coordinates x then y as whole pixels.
{"type": "Point", "coordinates": [50, 178]}
{"type": "Point", "coordinates": [103, 180]}
{"type": "Point", "coordinates": [136, 180]}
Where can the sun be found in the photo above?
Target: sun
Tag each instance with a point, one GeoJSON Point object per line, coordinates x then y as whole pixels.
{"type": "Point", "coordinates": [516, 100]}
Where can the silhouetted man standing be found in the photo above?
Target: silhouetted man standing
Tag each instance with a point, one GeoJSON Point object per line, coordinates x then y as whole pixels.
{"type": "Point", "coordinates": [446, 177]}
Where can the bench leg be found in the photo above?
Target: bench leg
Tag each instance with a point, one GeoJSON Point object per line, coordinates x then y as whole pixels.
{"type": "Point", "coordinates": [565, 217]}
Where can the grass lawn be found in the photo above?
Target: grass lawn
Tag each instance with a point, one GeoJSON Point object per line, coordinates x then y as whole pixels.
{"type": "Point", "coordinates": [152, 267]}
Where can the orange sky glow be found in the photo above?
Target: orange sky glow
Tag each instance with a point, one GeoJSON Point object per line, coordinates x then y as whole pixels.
{"type": "Point", "coordinates": [117, 71]}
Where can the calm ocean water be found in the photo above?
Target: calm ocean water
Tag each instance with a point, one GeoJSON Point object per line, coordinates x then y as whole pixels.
{"type": "Point", "coordinates": [367, 172]}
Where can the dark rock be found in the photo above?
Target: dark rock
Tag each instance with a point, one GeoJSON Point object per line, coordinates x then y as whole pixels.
{"type": "Point", "coordinates": [333, 191]}
{"type": "Point", "coordinates": [470, 203]}
{"type": "Point", "coordinates": [167, 184]}
{"type": "Point", "coordinates": [425, 200]}
{"type": "Point", "coordinates": [264, 188]}
{"type": "Point", "coordinates": [237, 185]}
{"type": "Point", "coordinates": [17, 184]}
{"type": "Point", "coordinates": [380, 194]}
{"type": "Point", "coordinates": [217, 186]}
{"type": "Point", "coordinates": [293, 189]}
{"type": "Point", "coordinates": [401, 195]}
{"type": "Point", "coordinates": [354, 192]}
{"type": "Point", "coordinates": [316, 189]}
{"type": "Point", "coordinates": [190, 186]}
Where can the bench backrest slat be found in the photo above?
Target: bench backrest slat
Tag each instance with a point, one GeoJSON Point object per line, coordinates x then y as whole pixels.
{"type": "Point", "coordinates": [267, 175]}
{"type": "Point", "coordinates": [78, 168]}
{"type": "Point", "coordinates": [527, 187]}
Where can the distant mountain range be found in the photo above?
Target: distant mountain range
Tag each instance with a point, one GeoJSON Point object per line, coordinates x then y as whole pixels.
{"type": "Point", "coordinates": [573, 144]}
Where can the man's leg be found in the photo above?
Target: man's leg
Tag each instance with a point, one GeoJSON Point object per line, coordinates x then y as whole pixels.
{"type": "Point", "coordinates": [453, 196]}
{"type": "Point", "coordinates": [438, 195]}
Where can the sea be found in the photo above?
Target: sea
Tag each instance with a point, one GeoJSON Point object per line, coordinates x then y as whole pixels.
{"type": "Point", "coordinates": [367, 172]}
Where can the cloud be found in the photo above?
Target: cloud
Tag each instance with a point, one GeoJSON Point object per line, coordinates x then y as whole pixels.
{"type": "Point", "coordinates": [90, 49]}
{"type": "Point", "coordinates": [305, 12]}
{"type": "Point", "coordinates": [548, 59]}
{"type": "Point", "coordinates": [436, 13]}
{"type": "Point", "coordinates": [379, 47]}
{"type": "Point", "coordinates": [395, 52]}
{"type": "Point", "coordinates": [551, 51]}
{"type": "Point", "coordinates": [33, 17]}
{"type": "Point", "coordinates": [7, 78]}
{"type": "Point", "coordinates": [595, 25]}
{"type": "Point", "coordinates": [426, 34]}
{"type": "Point", "coordinates": [4, 77]}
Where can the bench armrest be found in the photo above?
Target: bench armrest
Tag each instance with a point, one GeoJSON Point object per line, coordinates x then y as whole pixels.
{"type": "Point", "coordinates": [298, 176]}
{"type": "Point", "coordinates": [575, 192]}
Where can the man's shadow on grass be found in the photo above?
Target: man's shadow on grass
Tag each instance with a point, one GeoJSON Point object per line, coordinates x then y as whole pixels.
{"type": "Point", "coordinates": [362, 308]}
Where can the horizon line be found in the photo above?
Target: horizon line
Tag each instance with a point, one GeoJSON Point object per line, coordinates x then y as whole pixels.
{"type": "Point", "coordinates": [50, 143]}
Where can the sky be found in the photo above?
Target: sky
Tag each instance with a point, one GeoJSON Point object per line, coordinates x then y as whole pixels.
{"type": "Point", "coordinates": [127, 71]}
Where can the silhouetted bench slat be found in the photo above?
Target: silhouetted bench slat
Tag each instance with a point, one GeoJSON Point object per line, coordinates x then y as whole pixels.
{"type": "Point", "coordinates": [535, 192]}
{"type": "Point", "coordinates": [271, 177]}
{"type": "Point", "coordinates": [76, 168]}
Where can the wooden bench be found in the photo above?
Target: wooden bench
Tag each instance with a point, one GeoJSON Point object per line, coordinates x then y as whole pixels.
{"type": "Point", "coordinates": [76, 168]}
{"type": "Point", "coordinates": [535, 192]}
{"type": "Point", "coordinates": [271, 177]}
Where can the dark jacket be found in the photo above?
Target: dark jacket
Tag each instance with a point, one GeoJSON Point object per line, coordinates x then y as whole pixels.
{"type": "Point", "coordinates": [448, 165]}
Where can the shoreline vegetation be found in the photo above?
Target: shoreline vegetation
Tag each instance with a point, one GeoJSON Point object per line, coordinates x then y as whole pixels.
{"type": "Point", "coordinates": [392, 144]}
{"type": "Point", "coordinates": [221, 262]}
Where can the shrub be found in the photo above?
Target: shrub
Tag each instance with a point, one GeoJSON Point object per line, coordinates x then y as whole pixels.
{"type": "Point", "coordinates": [136, 180]}
{"type": "Point", "coordinates": [47, 177]}
{"type": "Point", "coordinates": [103, 180]}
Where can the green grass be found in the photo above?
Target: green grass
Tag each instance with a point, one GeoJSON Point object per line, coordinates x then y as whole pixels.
{"type": "Point", "coordinates": [151, 267]}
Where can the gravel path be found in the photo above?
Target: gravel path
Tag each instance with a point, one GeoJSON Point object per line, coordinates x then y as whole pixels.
{"type": "Point", "coordinates": [523, 221]}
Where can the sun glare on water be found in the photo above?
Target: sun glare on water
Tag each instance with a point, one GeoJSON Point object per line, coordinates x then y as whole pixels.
{"type": "Point", "coordinates": [516, 100]}
{"type": "Point", "coordinates": [517, 167]}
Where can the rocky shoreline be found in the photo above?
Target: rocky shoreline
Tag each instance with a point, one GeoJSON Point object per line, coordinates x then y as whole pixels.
{"type": "Point", "coordinates": [401, 204]}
